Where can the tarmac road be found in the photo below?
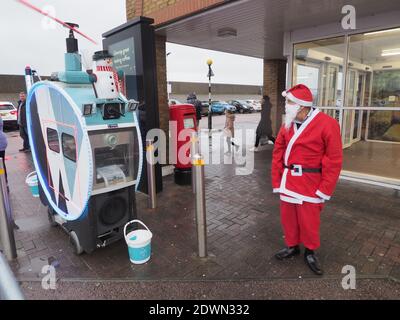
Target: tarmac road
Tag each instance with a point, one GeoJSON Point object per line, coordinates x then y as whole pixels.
{"type": "Point", "coordinates": [308, 289]}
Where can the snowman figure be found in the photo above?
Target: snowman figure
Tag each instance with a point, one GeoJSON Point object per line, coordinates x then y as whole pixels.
{"type": "Point", "coordinates": [105, 76]}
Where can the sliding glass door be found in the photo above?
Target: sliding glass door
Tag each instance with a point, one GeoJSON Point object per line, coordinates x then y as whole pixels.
{"type": "Point", "coordinates": [356, 80]}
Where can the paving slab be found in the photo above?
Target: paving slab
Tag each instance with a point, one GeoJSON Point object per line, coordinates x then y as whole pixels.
{"type": "Point", "coordinates": [360, 227]}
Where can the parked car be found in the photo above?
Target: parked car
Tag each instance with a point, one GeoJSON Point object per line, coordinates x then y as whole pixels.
{"type": "Point", "coordinates": [255, 103]}
{"type": "Point", "coordinates": [172, 102]}
{"type": "Point", "coordinates": [241, 106]}
{"type": "Point", "coordinates": [224, 104]}
{"type": "Point", "coordinates": [9, 114]}
{"type": "Point", "coordinates": [217, 107]}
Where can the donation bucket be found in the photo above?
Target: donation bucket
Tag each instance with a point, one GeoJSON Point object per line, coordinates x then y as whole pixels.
{"type": "Point", "coordinates": [139, 243]}
{"type": "Point", "coordinates": [32, 182]}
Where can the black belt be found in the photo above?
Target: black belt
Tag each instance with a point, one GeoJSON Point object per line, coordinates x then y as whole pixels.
{"type": "Point", "coordinates": [311, 170]}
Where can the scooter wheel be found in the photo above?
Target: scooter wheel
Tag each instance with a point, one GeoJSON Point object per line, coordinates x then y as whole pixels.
{"type": "Point", "coordinates": [74, 240]}
{"type": "Point", "coordinates": [50, 215]}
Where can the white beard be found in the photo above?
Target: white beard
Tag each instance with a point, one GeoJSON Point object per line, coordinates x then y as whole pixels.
{"type": "Point", "coordinates": [291, 114]}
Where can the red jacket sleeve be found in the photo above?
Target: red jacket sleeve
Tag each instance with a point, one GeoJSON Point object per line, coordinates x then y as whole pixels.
{"type": "Point", "coordinates": [278, 159]}
{"type": "Point", "coordinates": [331, 161]}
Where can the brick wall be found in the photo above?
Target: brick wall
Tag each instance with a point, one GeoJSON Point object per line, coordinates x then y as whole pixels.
{"type": "Point", "coordinates": [131, 9]}
{"type": "Point", "coordinates": [162, 11]}
{"type": "Point", "coordinates": [274, 84]}
{"type": "Point", "coordinates": [165, 10]}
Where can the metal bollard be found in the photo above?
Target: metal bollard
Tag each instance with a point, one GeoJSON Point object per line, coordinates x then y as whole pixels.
{"type": "Point", "coordinates": [151, 175]}
{"type": "Point", "coordinates": [198, 170]}
{"type": "Point", "coordinates": [194, 149]}
{"type": "Point", "coordinates": [6, 227]}
{"type": "Point", "coordinates": [9, 288]}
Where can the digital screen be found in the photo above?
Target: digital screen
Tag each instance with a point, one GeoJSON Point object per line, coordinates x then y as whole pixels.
{"type": "Point", "coordinates": [188, 123]}
{"type": "Point", "coordinates": [124, 56]}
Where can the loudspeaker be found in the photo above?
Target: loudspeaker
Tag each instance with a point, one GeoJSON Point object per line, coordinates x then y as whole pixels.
{"type": "Point", "coordinates": [105, 219]}
{"type": "Point", "coordinates": [111, 210]}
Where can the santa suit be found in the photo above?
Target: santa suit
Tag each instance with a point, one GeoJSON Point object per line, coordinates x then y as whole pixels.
{"type": "Point", "coordinates": [316, 144]}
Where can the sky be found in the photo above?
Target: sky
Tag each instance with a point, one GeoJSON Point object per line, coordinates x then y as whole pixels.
{"type": "Point", "coordinates": [27, 38]}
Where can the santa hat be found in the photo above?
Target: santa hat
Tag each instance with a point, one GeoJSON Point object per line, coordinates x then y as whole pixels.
{"type": "Point", "coordinates": [299, 94]}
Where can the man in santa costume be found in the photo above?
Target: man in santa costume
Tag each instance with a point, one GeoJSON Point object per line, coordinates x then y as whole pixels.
{"type": "Point", "coordinates": [306, 164]}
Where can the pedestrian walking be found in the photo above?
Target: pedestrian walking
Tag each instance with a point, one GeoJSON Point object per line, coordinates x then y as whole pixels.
{"type": "Point", "coordinates": [3, 147]}
{"type": "Point", "coordinates": [229, 130]}
{"type": "Point", "coordinates": [264, 128]}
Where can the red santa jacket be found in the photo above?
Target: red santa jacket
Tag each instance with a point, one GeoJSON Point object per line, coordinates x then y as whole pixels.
{"type": "Point", "coordinates": [315, 144]}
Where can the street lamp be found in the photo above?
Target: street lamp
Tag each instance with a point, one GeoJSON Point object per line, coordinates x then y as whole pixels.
{"type": "Point", "coordinates": [209, 75]}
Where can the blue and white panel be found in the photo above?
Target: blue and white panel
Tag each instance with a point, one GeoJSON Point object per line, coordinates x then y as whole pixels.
{"type": "Point", "coordinates": [60, 149]}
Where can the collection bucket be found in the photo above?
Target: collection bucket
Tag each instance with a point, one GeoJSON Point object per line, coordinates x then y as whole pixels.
{"type": "Point", "coordinates": [139, 243]}
{"type": "Point", "coordinates": [32, 182]}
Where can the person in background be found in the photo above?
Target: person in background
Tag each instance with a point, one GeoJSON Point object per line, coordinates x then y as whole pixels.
{"type": "Point", "coordinates": [3, 146]}
{"type": "Point", "coordinates": [192, 99]}
{"type": "Point", "coordinates": [229, 130]}
{"type": "Point", "coordinates": [264, 128]}
{"type": "Point", "coordinates": [23, 127]}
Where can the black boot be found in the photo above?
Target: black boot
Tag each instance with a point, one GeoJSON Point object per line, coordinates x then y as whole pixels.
{"type": "Point", "coordinates": [287, 252]}
{"type": "Point", "coordinates": [312, 262]}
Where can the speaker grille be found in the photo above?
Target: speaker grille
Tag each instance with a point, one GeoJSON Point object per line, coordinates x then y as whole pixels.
{"type": "Point", "coordinates": [113, 210]}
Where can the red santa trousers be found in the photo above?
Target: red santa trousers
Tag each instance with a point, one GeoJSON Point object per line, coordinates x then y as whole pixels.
{"type": "Point", "coordinates": [301, 223]}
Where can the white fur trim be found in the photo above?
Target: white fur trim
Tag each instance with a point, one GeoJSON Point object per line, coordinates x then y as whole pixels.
{"type": "Point", "coordinates": [290, 200]}
{"type": "Point", "coordinates": [297, 134]}
{"type": "Point", "coordinates": [276, 190]}
{"type": "Point", "coordinates": [304, 103]}
{"type": "Point", "coordinates": [322, 195]}
{"type": "Point", "coordinates": [284, 93]}
{"type": "Point", "coordinates": [287, 153]}
{"type": "Point", "coordinates": [295, 194]}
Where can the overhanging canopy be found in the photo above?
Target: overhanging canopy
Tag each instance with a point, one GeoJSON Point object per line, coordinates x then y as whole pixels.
{"type": "Point", "coordinates": [260, 24]}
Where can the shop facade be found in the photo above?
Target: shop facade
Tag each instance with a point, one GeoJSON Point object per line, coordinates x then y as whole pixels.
{"type": "Point", "coordinates": [355, 77]}
{"type": "Point", "coordinates": [354, 73]}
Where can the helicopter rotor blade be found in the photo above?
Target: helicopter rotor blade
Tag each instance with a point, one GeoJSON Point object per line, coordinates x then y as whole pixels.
{"type": "Point", "coordinates": [29, 5]}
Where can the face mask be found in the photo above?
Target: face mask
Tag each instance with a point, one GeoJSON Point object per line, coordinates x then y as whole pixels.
{"type": "Point", "coordinates": [291, 114]}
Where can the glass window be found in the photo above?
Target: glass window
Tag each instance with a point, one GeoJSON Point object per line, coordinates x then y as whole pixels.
{"type": "Point", "coordinates": [372, 137]}
{"type": "Point", "coordinates": [69, 146]}
{"type": "Point", "coordinates": [319, 65]}
{"type": "Point", "coordinates": [374, 80]}
{"type": "Point", "coordinates": [4, 107]}
{"type": "Point", "coordinates": [52, 140]}
{"type": "Point", "coordinates": [115, 155]}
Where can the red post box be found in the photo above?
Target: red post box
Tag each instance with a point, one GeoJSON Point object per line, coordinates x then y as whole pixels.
{"type": "Point", "coordinates": [185, 117]}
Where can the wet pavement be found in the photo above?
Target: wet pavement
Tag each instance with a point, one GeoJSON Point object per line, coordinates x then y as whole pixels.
{"type": "Point", "coordinates": [215, 290]}
{"type": "Point", "coordinates": [360, 227]}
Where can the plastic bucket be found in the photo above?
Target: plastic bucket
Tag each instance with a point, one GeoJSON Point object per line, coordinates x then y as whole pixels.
{"type": "Point", "coordinates": [139, 243]}
{"type": "Point", "coordinates": [32, 182]}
